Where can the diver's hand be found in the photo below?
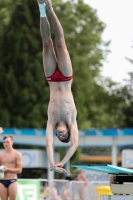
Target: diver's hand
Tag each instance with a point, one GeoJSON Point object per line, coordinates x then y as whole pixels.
{"type": "Point", "coordinates": [58, 169]}
{"type": "Point", "coordinates": [60, 164]}
{"type": "Point", "coordinates": [48, 4]}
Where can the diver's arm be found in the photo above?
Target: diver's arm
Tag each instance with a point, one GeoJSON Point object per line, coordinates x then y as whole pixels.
{"type": "Point", "coordinates": [49, 148]}
{"type": "Point", "coordinates": [74, 143]}
{"type": "Point", "coordinates": [49, 143]}
{"type": "Point", "coordinates": [73, 147]}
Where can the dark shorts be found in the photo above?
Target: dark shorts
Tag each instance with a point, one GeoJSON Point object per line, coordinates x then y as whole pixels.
{"type": "Point", "coordinates": [6, 183]}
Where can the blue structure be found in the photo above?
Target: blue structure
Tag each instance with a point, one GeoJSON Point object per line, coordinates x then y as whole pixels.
{"type": "Point", "coordinates": [87, 138]}
{"type": "Point", "coordinates": [42, 132]}
{"type": "Point", "coordinates": [110, 169]}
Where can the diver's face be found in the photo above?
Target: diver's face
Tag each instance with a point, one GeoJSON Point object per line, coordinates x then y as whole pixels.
{"type": "Point", "coordinates": [61, 131]}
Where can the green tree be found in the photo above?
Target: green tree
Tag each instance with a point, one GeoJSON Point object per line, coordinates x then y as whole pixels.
{"type": "Point", "coordinates": [127, 93]}
{"type": "Point", "coordinates": [24, 92]}
{"type": "Point", "coordinates": [6, 9]}
{"type": "Point", "coordinates": [108, 105]}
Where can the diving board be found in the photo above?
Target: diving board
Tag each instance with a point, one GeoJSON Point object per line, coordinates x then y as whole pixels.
{"type": "Point", "coordinates": [104, 168]}
{"type": "Point", "coordinates": [116, 197]}
{"type": "Point", "coordinates": [118, 176]}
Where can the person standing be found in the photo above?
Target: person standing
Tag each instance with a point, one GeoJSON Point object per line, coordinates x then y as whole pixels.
{"type": "Point", "coordinates": [10, 166]}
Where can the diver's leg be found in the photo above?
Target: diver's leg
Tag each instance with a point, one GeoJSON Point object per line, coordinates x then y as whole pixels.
{"type": "Point", "coordinates": [49, 58]}
{"type": "Point", "coordinates": [63, 58]}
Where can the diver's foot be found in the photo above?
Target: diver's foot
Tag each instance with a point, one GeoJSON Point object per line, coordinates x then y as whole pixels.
{"type": "Point", "coordinates": [48, 4]}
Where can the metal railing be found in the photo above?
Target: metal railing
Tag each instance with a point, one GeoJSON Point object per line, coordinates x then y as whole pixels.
{"type": "Point", "coordinates": [56, 189]}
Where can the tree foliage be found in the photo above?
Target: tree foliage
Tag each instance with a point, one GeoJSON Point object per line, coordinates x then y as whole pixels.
{"type": "Point", "coordinates": [24, 92]}
{"type": "Point", "coordinates": [127, 93]}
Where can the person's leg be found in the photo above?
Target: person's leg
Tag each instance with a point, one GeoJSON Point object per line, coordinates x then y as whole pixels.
{"type": "Point", "coordinates": [81, 191]}
{"type": "Point", "coordinates": [49, 58]}
{"type": "Point", "coordinates": [63, 58]}
{"type": "Point", "coordinates": [12, 190]}
{"type": "Point", "coordinates": [3, 192]}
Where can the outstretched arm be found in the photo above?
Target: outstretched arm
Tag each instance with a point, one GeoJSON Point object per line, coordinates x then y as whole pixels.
{"type": "Point", "coordinates": [74, 144]}
{"type": "Point", "coordinates": [49, 143]}
{"type": "Point", "coordinates": [49, 147]}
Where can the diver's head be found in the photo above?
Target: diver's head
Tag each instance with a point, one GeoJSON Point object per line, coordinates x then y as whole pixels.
{"type": "Point", "coordinates": [62, 132]}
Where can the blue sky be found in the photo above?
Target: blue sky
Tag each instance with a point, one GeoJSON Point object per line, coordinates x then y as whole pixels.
{"type": "Point", "coordinates": [118, 17]}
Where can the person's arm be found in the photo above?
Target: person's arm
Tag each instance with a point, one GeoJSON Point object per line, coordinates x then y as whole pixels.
{"type": "Point", "coordinates": [18, 168]}
{"type": "Point", "coordinates": [0, 159]}
{"type": "Point", "coordinates": [49, 143]}
{"type": "Point", "coordinates": [49, 148]}
{"type": "Point", "coordinates": [74, 144]}
{"type": "Point", "coordinates": [82, 177]}
{"type": "Point", "coordinates": [1, 171]}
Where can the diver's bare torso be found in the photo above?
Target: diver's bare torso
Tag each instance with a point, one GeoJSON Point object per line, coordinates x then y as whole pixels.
{"type": "Point", "coordinates": [61, 105]}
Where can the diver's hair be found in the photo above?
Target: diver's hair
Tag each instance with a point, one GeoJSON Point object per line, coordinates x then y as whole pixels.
{"type": "Point", "coordinates": [66, 140]}
{"type": "Point", "coordinates": [8, 136]}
